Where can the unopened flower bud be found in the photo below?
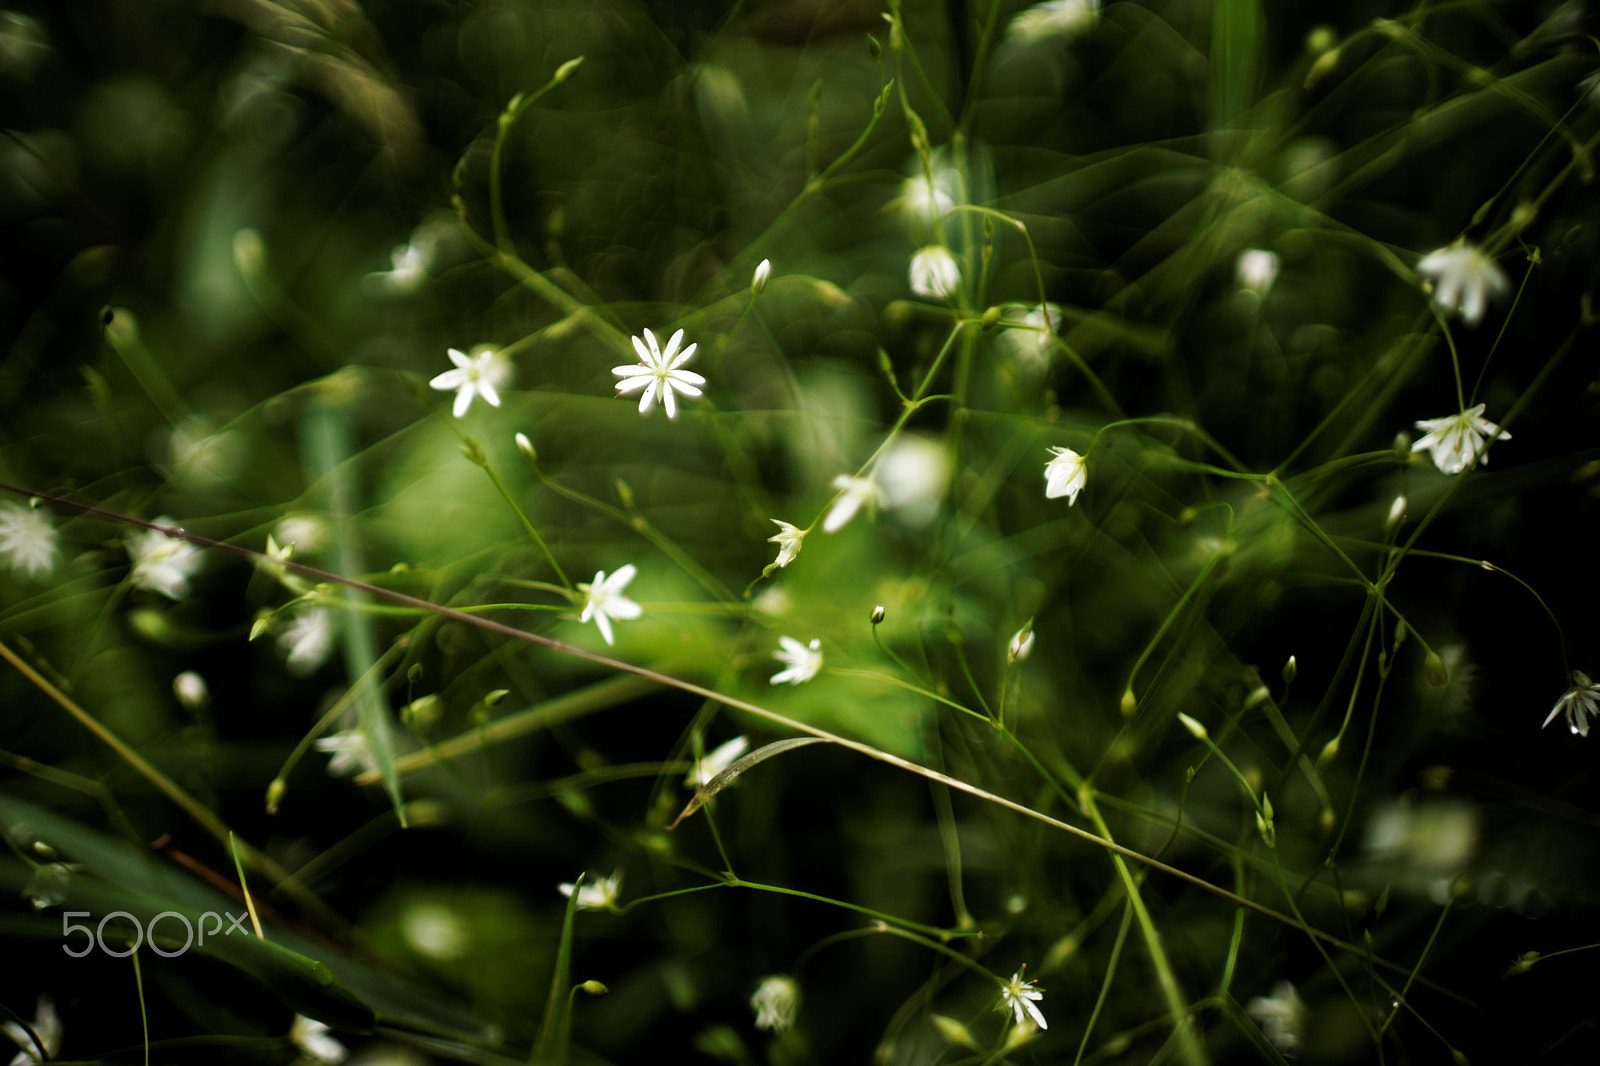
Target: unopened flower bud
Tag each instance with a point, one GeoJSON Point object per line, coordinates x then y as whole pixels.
{"type": "Point", "coordinates": [991, 318]}
{"type": "Point", "coordinates": [758, 283]}
{"type": "Point", "coordinates": [1129, 703]}
{"type": "Point", "coordinates": [954, 1032]}
{"type": "Point", "coordinates": [525, 446]}
{"type": "Point", "coordinates": [1397, 514]}
{"type": "Point", "coordinates": [275, 793]}
{"type": "Point", "coordinates": [191, 690]}
{"type": "Point", "coordinates": [595, 988]}
{"type": "Point", "coordinates": [1290, 670]}
{"type": "Point", "coordinates": [1435, 670]}
{"type": "Point", "coordinates": [1330, 751]}
{"type": "Point", "coordinates": [877, 614]}
{"type": "Point", "coordinates": [1195, 729]}
{"type": "Point", "coordinates": [567, 70]}
{"type": "Point", "coordinates": [1021, 645]}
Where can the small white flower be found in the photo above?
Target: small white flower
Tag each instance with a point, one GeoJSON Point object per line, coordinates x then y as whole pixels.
{"type": "Point", "coordinates": [605, 600]}
{"type": "Point", "coordinates": [776, 1002]}
{"type": "Point", "coordinates": [913, 474]}
{"type": "Point", "coordinates": [1282, 1016]}
{"type": "Point", "coordinates": [788, 541]}
{"type": "Point", "coordinates": [1022, 996]}
{"type": "Point", "coordinates": [1257, 269]}
{"type": "Point", "coordinates": [409, 265]}
{"type": "Point", "coordinates": [1065, 475]}
{"type": "Point", "coordinates": [1053, 18]}
{"type": "Point", "coordinates": [1579, 703]}
{"type": "Point", "coordinates": [1021, 645]}
{"type": "Point", "coordinates": [312, 1038]}
{"type": "Point", "coordinates": [658, 373]}
{"type": "Point", "coordinates": [801, 662]}
{"type": "Point", "coordinates": [713, 764]}
{"type": "Point", "coordinates": [302, 532]}
{"type": "Point", "coordinates": [599, 894]}
{"type": "Point", "coordinates": [480, 374]}
{"type": "Point", "coordinates": [1458, 441]}
{"type": "Point", "coordinates": [307, 640]}
{"type": "Point", "coordinates": [758, 281]}
{"type": "Point", "coordinates": [27, 539]}
{"type": "Point", "coordinates": [931, 193]}
{"type": "Point", "coordinates": [47, 1024]}
{"type": "Point", "coordinates": [192, 691]}
{"type": "Point", "coordinates": [351, 753]}
{"type": "Point", "coordinates": [161, 563]}
{"type": "Point", "coordinates": [1463, 280]}
{"type": "Point", "coordinates": [935, 273]}
{"type": "Point", "coordinates": [854, 491]}
{"type": "Point", "coordinates": [1029, 333]}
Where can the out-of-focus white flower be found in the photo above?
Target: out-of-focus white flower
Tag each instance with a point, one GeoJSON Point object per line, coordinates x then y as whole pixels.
{"type": "Point", "coordinates": [935, 273]}
{"type": "Point", "coordinates": [930, 194]}
{"type": "Point", "coordinates": [1065, 475]}
{"type": "Point", "coordinates": [483, 373]}
{"type": "Point", "coordinates": [47, 1024]}
{"type": "Point", "coordinates": [1397, 514]}
{"type": "Point", "coordinates": [1579, 703]}
{"type": "Point", "coordinates": [434, 930]}
{"type": "Point", "coordinates": [913, 474]}
{"type": "Point", "coordinates": [854, 491]}
{"type": "Point", "coordinates": [307, 640]}
{"type": "Point", "coordinates": [410, 263]}
{"type": "Point", "coordinates": [1256, 270]}
{"type": "Point", "coordinates": [605, 600]}
{"type": "Point", "coordinates": [758, 281]}
{"type": "Point", "coordinates": [203, 455]}
{"type": "Point", "coordinates": [599, 894]}
{"type": "Point", "coordinates": [1053, 18]}
{"type": "Point", "coordinates": [161, 563]}
{"type": "Point", "coordinates": [801, 661]}
{"type": "Point", "coordinates": [351, 753]}
{"type": "Point", "coordinates": [1022, 997]}
{"type": "Point", "coordinates": [1463, 279]}
{"type": "Point", "coordinates": [191, 690]}
{"type": "Point", "coordinates": [1029, 333]}
{"type": "Point", "coordinates": [1021, 645]}
{"type": "Point", "coordinates": [657, 373]}
{"type": "Point", "coordinates": [776, 1002]}
{"type": "Point", "coordinates": [1457, 441]}
{"type": "Point", "coordinates": [27, 539]}
{"type": "Point", "coordinates": [788, 540]}
{"type": "Point", "coordinates": [303, 532]}
{"type": "Point", "coordinates": [713, 764]}
{"type": "Point", "coordinates": [1282, 1016]}
{"type": "Point", "coordinates": [312, 1038]}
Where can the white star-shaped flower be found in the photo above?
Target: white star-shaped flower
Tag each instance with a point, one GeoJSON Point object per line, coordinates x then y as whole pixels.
{"type": "Point", "coordinates": [311, 1037]}
{"type": "Point", "coordinates": [719, 760]}
{"type": "Point", "coordinates": [788, 541]}
{"type": "Point", "coordinates": [854, 491]}
{"type": "Point", "coordinates": [1463, 279]}
{"type": "Point", "coordinates": [46, 1023]}
{"type": "Point", "coordinates": [605, 600]}
{"type": "Point", "coordinates": [161, 563]}
{"type": "Point", "coordinates": [480, 374]}
{"type": "Point", "coordinates": [935, 273]}
{"type": "Point", "coordinates": [1065, 475]}
{"type": "Point", "coordinates": [1282, 1016]}
{"type": "Point", "coordinates": [801, 662]}
{"type": "Point", "coordinates": [27, 539]}
{"type": "Point", "coordinates": [658, 374]}
{"type": "Point", "coordinates": [1457, 441]}
{"type": "Point", "coordinates": [1053, 18]}
{"type": "Point", "coordinates": [307, 640]}
{"type": "Point", "coordinates": [1580, 703]}
{"type": "Point", "coordinates": [1022, 996]}
{"type": "Point", "coordinates": [599, 894]}
{"type": "Point", "coordinates": [351, 753]}
{"type": "Point", "coordinates": [776, 1002]}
